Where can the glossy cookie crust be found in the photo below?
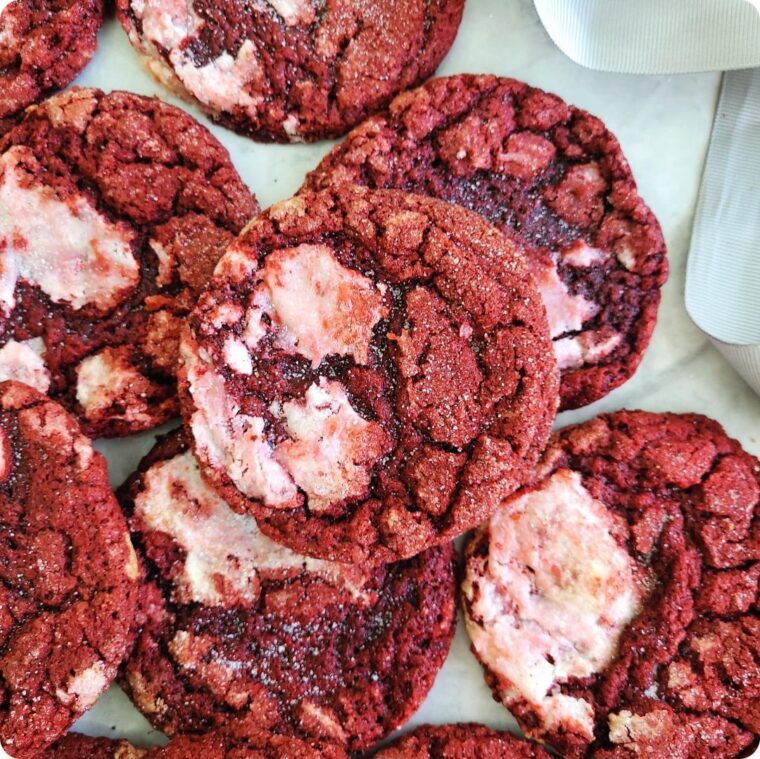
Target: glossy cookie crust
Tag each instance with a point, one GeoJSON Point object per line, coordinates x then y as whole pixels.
{"type": "Point", "coordinates": [114, 209]}
{"type": "Point", "coordinates": [68, 573]}
{"type": "Point", "coordinates": [44, 44]}
{"type": "Point", "coordinates": [368, 373]}
{"type": "Point", "coordinates": [236, 741]}
{"type": "Point", "coordinates": [614, 601]}
{"type": "Point", "coordinates": [550, 176]}
{"type": "Point", "coordinates": [460, 741]}
{"type": "Point", "coordinates": [291, 70]}
{"type": "Point", "coordinates": [234, 624]}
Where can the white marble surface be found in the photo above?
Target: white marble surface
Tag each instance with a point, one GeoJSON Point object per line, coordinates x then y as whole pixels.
{"type": "Point", "coordinates": [663, 124]}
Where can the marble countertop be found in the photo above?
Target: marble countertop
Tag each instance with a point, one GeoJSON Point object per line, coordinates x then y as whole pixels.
{"type": "Point", "coordinates": [664, 126]}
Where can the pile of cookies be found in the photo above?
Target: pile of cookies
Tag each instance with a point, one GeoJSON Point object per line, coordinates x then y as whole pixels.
{"type": "Point", "coordinates": [364, 373]}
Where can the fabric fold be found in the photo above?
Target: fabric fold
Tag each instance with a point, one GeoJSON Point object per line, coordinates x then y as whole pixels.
{"type": "Point", "coordinates": [655, 37]}
{"type": "Point", "coordinates": [723, 270]}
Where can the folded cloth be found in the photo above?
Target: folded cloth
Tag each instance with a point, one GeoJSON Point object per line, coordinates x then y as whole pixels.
{"type": "Point", "coordinates": [723, 270]}
{"type": "Point", "coordinates": [655, 36]}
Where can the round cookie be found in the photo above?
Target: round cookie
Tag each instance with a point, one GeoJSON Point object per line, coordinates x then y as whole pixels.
{"type": "Point", "coordinates": [547, 174]}
{"type": "Point", "coordinates": [113, 212]}
{"type": "Point", "coordinates": [291, 70]}
{"type": "Point", "coordinates": [460, 741]}
{"type": "Point", "coordinates": [44, 44]}
{"type": "Point", "coordinates": [68, 573]}
{"type": "Point", "coordinates": [234, 742]}
{"type": "Point", "coordinates": [613, 602]}
{"type": "Point", "coordinates": [368, 373]}
{"type": "Point", "coordinates": [235, 624]}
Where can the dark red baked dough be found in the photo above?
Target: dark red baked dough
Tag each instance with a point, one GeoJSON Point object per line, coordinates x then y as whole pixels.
{"type": "Point", "coordinates": [551, 176]}
{"type": "Point", "coordinates": [460, 741]}
{"type": "Point", "coordinates": [291, 69]}
{"type": "Point", "coordinates": [75, 746]}
{"type": "Point", "coordinates": [419, 318]}
{"type": "Point", "coordinates": [161, 181]}
{"type": "Point", "coordinates": [327, 652]}
{"type": "Point", "coordinates": [68, 573]}
{"type": "Point", "coordinates": [684, 500]}
{"type": "Point", "coordinates": [236, 741]}
{"type": "Point", "coordinates": [44, 44]}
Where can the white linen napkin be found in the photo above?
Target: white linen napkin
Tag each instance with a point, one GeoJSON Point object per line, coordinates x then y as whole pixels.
{"type": "Point", "coordinates": [723, 270]}
{"type": "Point", "coordinates": [655, 36]}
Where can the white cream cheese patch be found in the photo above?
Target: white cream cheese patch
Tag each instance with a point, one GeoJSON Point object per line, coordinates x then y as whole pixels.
{"type": "Point", "coordinates": [588, 347]}
{"type": "Point", "coordinates": [329, 450]}
{"type": "Point", "coordinates": [319, 306]}
{"type": "Point", "coordinates": [554, 595]}
{"type": "Point", "coordinates": [580, 254]}
{"type": "Point", "coordinates": [108, 377]}
{"type": "Point", "coordinates": [223, 82]}
{"type": "Point", "coordinates": [84, 688]}
{"type": "Point", "coordinates": [233, 441]}
{"type": "Point", "coordinates": [237, 357]}
{"type": "Point", "coordinates": [22, 361]}
{"type": "Point", "coordinates": [225, 551]}
{"type": "Point", "coordinates": [628, 729]}
{"type": "Point", "coordinates": [294, 12]}
{"type": "Point", "coordinates": [66, 248]}
{"type": "Point", "coordinates": [566, 312]}
{"type": "Point", "coordinates": [167, 22]}
{"type": "Point", "coordinates": [330, 445]}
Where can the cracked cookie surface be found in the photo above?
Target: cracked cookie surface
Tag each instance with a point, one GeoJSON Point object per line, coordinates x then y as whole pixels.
{"type": "Point", "coordinates": [44, 44]}
{"type": "Point", "coordinates": [614, 601]}
{"type": "Point", "coordinates": [291, 69]}
{"type": "Point", "coordinates": [460, 741]}
{"type": "Point", "coordinates": [368, 373]}
{"type": "Point", "coordinates": [68, 573]}
{"type": "Point", "coordinates": [547, 174]}
{"type": "Point", "coordinates": [235, 624]}
{"type": "Point", "coordinates": [113, 212]}
{"type": "Point", "coordinates": [236, 741]}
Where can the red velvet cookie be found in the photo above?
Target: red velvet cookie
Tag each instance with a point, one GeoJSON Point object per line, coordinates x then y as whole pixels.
{"type": "Point", "coordinates": [235, 624]}
{"type": "Point", "coordinates": [68, 573]}
{"type": "Point", "coordinates": [368, 373]}
{"type": "Point", "coordinates": [614, 601]}
{"type": "Point", "coordinates": [75, 746]}
{"type": "Point", "coordinates": [291, 69]}
{"type": "Point", "coordinates": [460, 741]}
{"type": "Point", "coordinates": [550, 176]}
{"type": "Point", "coordinates": [113, 212]}
{"type": "Point", "coordinates": [44, 44]}
{"type": "Point", "coordinates": [234, 742]}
